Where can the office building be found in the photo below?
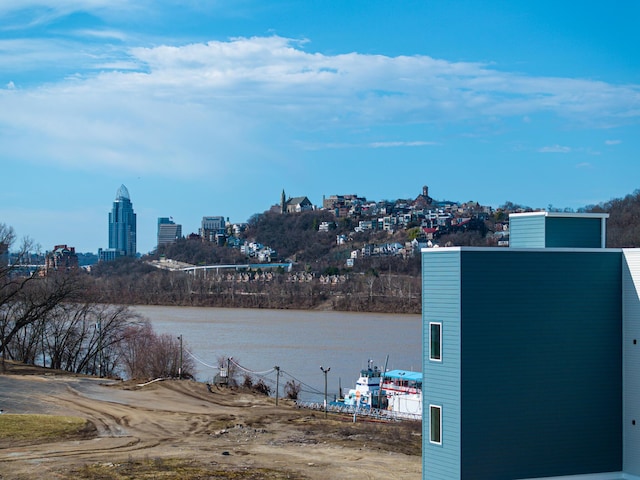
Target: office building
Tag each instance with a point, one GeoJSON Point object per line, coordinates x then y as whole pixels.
{"type": "Point", "coordinates": [531, 358]}
{"type": "Point", "coordinates": [122, 225]}
{"type": "Point", "coordinates": [168, 231]}
{"type": "Point", "coordinates": [212, 228]}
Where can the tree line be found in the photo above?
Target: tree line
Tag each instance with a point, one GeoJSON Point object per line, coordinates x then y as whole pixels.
{"type": "Point", "coordinates": [53, 321]}
{"type": "Point", "coordinates": [382, 287]}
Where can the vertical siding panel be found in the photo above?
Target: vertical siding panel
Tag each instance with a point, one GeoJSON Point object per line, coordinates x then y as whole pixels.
{"type": "Point", "coordinates": [631, 361]}
{"type": "Point", "coordinates": [573, 232]}
{"type": "Point", "coordinates": [527, 231]}
{"type": "Point", "coordinates": [541, 363]}
{"type": "Point", "coordinates": [441, 384]}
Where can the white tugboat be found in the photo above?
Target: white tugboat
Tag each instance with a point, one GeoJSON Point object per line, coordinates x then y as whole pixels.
{"type": "Point", "coordinates": [367, 391]}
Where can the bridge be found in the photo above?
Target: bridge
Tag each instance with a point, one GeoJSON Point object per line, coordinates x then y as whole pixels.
{"type": "Point", "coordinates": [247, 266]}
{"type": "Point", "coordinates": [175, 266]}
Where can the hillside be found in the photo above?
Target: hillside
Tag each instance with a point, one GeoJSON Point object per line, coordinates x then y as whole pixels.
{"type": "Point", "coordinates": [623, 225]}
{"type": "Point", "coordinates": [384, 275]}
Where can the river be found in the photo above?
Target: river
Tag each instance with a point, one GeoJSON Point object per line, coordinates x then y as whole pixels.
{"type": "Point", "coordinates": [299, 342]}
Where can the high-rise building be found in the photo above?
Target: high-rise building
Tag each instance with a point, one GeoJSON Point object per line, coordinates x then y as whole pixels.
{"type": "Point", "coordinates": [168, 231]}
{"type": "Point", "coordinates": [61, 259]}
{"type": "Point", "coordinates": [122, 225]}
{"type": "Point", "coordinates": [212, 228]}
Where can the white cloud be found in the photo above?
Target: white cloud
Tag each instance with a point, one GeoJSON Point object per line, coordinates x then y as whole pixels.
{"type": "Point", "coordinates": [375, 87]}
{"type": "Point", "coordinates": [57, 59]}
{"type": "Point", "coordinates": [555, 149]}
{"type": "Point", "coordinates": [102, 34]}
{"type": "Point", "coordinates": [612, 142]}
{"type": "Point", "coordinates": [197, 108]}
{"type": "Point", "coordinates": [402, 144]}
{"type": "Point", "coordinates": [25, 14]}
{"type": "Point", "coordinates": [47, 9]}
{"type": "Point", "coordinates": [394, 144]}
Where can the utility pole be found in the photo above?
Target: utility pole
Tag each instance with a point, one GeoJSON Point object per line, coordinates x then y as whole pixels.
{"type": "Point", "coordinates": [180, 366]}
{"type": "Point", "coordinates": [325, 371]}
{"type": "Point", "coordinates": [44, 358]}
{"type": "Point", "coordinates": [100, 357]}
{"type": "Point", "coordinates": [277, 382]}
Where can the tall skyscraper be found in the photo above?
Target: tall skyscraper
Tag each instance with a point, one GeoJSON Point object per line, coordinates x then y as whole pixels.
{"type": "Point", "coordinates": [122, 225]}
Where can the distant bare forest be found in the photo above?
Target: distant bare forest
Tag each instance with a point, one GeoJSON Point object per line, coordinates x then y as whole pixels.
{"type": "Point", "coordinates": [135, 282]}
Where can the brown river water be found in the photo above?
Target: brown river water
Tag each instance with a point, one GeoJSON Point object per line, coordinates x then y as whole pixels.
{"type": "Point", "coordinates": [297, 341]}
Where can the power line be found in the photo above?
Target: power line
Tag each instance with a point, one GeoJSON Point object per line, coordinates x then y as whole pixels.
{"type": "Point", "coordinates": [200, 361]}
{"type": "Point", "coordinates": [308, 389]}
{"type": "Point", "coordinates": [251, 371]}
{"type": "Point", "coordinates": [312, 389]}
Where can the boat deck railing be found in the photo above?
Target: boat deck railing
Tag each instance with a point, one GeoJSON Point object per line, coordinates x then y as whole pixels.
{"type": "Point", "coordinates": [373, 413]}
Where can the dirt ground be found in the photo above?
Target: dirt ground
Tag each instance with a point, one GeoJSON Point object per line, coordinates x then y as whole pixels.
{"type": "Point", "coordinates": [223, 430]}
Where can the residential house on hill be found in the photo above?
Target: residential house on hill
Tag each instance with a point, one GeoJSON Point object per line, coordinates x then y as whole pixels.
{"type": "Point", "coordinates": [294, 205]}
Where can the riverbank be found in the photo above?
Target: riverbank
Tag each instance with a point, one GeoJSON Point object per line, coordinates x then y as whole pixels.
{"type": "Point", "coordinates": [175, 424]}
{"type": "Point", "coordinates": [373, 292]}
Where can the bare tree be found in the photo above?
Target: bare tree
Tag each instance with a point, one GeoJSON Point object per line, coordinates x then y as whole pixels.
{"type": "Point", "coordinates": [28, 300]}
{"type": "Point", "coordinates": [84, 338]}
{"type": "Point", "coordinates": [292, 389]}
{"type": "Point", "coordinates": [26, 344]}
{"type": "Point", "coordinates": [145, 354]}
{"type": "Point", "coordinates": [11, 284]}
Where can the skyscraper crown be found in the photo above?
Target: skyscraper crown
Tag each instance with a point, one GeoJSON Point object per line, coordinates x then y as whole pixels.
{"type": "Point", "coordinates": [122, 193]}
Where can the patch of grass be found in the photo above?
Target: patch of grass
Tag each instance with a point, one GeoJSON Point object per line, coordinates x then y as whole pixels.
{"type": "Point", "coordinates": [398, 437]}
{"type": "Point", "coordinates": [41, 428]}
{"type": "Point", "coordinates": [172, 469]}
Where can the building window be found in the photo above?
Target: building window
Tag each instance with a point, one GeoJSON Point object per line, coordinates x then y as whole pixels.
{"type": "Point", "coordinates": [435, 424]}
{"type": "Point", "coordinates": [435, 341]}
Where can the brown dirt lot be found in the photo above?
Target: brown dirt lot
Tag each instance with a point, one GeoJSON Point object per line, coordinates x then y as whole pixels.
{"type": "Point", "coordinates": [179, 430]}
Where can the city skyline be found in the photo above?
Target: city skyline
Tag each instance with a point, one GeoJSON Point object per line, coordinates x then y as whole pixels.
{"type": "Point", "coordinates": [204, 108]}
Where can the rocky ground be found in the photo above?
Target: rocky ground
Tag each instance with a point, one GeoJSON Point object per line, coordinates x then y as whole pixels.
{"type": "Point", "coordinates": [222, 431]}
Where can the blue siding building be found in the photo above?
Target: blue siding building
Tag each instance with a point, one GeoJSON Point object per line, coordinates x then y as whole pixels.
{"type": "Point", "coordinates": [531, 362]}
{"type": "Point", "coordinates": [554, 229]}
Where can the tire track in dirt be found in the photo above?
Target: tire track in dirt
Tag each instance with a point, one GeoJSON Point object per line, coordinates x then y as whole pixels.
{"type": "Point", "coordinates": [122, 429]}
{"type": "Point", "coordinates": [182, 419]}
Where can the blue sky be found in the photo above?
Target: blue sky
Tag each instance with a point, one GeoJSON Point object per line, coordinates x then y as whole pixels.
{"type": "Point", "coordinates": [205, 107]}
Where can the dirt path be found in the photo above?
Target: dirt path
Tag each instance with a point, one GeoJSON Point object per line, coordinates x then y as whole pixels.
{"type": "Point", "coordinates": [223, 429]}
